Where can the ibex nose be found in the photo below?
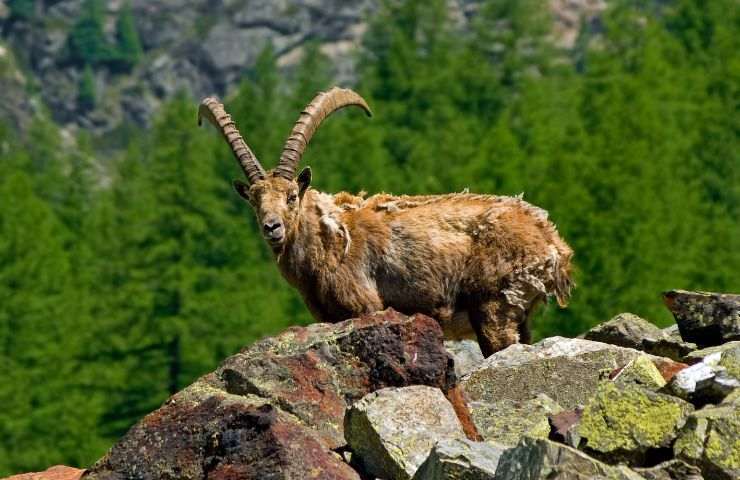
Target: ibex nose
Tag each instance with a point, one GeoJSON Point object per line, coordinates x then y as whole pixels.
{"type": "Point", "coordinates": [273, 229]}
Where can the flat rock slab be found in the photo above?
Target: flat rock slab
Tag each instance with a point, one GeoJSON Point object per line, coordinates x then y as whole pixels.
{"type": "Point", "coordinates": [58, 472]}
{"type": "Point", "coordinates": [507, 421]}
{"type": "Point", "coordinates": [705, 318]}
{"type": "Point", "coordinates": [538, 459]}
{"type": "Point", "coordinates": [314, 372]}
{"type": "Point", "coordinates": [566, 370]}
{"type": "Point", "coordinates": [711, 440]}
{"type": "Point", "coordinates": [629, 330]}
{"type": "Point", "coordinates": [458, 459]}
{"type": "Point", "coordinates": [699, 355]}
{"type": "Point", "coordinates": [392, 431]}
{"type": "Point", "coordinates": [625, 423]}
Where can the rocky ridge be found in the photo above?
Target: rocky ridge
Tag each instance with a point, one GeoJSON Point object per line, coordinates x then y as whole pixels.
{"type": "Point", "coordinates": [197, 46]}
{"type": "Point", "coordinates": [382, 396]}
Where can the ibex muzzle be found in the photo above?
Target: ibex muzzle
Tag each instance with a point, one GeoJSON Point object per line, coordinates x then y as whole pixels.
{"type": "Point", "coordinates": [479, 264]}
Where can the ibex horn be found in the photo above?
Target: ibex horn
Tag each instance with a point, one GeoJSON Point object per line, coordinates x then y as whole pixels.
{"type": "Point", "coordinates": [214, 112]}
{"type": "Point", "coordinates": [323, 105]}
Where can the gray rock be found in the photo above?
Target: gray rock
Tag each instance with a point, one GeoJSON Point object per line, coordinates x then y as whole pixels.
{"type": "Point", "coordinates": [538, 459]}
{"type": "Point", "coordinates": [629, 330]}
{"type": "Point", "coordinates": [566, 370]}
{"type": "Point", "coordinates": [392, 431]}
{"type": "Point", "coordinates": [711, 440]}
{"type": "Point", "coordinates": [465, 353]}
{"type": "Point", "coordinates": [705, 318]}
{"type": "Point", "coordinates": [507, 421]}
{"type": "Point", "coordinates": [459, 459]}
{"type": "Point", "coordinates": [710, 380]}
{"type": "Point", "coordinates": [671, 470]}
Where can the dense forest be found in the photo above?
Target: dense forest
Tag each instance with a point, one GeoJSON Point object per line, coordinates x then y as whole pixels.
{"type": "Point", "coordinates": [126, 273]}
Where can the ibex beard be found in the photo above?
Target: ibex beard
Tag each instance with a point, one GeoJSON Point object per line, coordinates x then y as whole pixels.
{"type": "Point", "coordinates": [479, 264]}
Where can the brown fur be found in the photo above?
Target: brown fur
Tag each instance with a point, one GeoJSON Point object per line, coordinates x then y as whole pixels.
{"type": "Point", "coordinates": [477, 263]}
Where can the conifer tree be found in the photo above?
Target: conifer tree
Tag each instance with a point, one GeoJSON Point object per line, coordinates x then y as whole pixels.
{"type": "Point", "coordinates": [128, 46]}
{"type": "Point", "coordinates": [87, 42]}
{"type": "Point", "coordinates": [86, 98]}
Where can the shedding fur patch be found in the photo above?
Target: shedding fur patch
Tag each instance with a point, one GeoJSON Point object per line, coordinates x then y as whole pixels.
{"type": "Point", "coordinates": [531, 281]}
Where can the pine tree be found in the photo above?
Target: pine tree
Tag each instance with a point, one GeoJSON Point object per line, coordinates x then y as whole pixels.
{"type": "Point", "coordinates": [86, 98]}
{"type": "Point", "coordinates": [87, 43]}
{"type": "Point", "coordinates": [22, 9]}
{"type": "Point", "coordinates": [128, 50]}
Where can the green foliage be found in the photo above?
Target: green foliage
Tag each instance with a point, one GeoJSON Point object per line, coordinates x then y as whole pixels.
{"type": "Point", "coordinates": [128, 46]}
{"type": "Point", "coordinates": [22, 9]}
{"type": "Point", "coordinates": [86, 98]}
{"type": "Point", "coordinates": [87, 43]}
{"type": "Point", "coordinates": [133, 275]}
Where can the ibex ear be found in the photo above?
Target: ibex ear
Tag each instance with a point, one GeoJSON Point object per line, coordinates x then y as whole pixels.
{"type": "Point", "coordinates": [304, 180]}
{"type": "Point", "coordinates": [243, 190]}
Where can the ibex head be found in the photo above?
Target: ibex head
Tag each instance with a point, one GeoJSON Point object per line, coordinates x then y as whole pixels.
{"type": "Point", "coordinates": [276, 195]}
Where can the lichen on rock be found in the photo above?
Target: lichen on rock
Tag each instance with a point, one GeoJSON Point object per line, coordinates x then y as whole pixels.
{"type": "Point", "coordinates": [627, 422]}
{"type": "Point", "coordinates": [507, 421]}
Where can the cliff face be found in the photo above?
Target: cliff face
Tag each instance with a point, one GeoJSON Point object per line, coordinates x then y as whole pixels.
{"type": "Point", "coordinates": [197, 46]}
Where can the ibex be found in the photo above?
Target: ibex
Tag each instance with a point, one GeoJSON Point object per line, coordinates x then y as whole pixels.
{"type": "Point", "coordinates": [476, 263]}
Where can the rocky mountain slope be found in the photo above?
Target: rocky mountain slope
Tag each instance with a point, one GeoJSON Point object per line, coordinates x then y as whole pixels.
{"type": "Point", "coordinates": [383, 397]}
{"type": "Point", "coordinates": [197, 46]}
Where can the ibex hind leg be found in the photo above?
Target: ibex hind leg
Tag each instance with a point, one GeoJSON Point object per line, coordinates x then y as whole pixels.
{"type": "Point", "coordinates": [498, 324]}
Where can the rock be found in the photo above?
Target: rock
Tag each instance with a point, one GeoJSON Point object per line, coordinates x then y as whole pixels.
{"type": "Point", "coordinates": [566, 370]}
{"type": "Point", "coordinates": [204, 432]}
{"type": "Point", "coordinates": [393, 430]}
{"type": "Point", "coordinates": [629, 330]}
{"type": "Point", "coordinates": [705, 318]}
{"type": "Point", "coordinates": [625, 423]}
{"type": "Point", "coordinates": [465, 353]}
{"type": "Point", "coordinates": [58, 472]}
{"type": "Point", "coordinates": [699, 355]}
{"type": "Point", "coordinates": [711, 440]}
{"type": "Point", "coordinates": [710, 380]}
{"type": "Point", "coordinates": [314, 372]}
{"type": "Point", "coordinates": [507, 421]}
{"type": "Point", "coordinates": [671, 470]}
{"type": "Point", "coordinates": [564, 427]}
{"type": "Point", "coordinates": [538, 459]}
{"type": "Point", "coordinates": [457, 459]}
{"type": "Point", "coordinates": [276, 409]}
{"type": "Point", "coordinates": [639, 371]}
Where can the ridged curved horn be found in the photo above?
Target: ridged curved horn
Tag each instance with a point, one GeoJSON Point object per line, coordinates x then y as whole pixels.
{"type": "Point", "coordinates": [211, 109]}
{"type": "Point", "coordinates": [323, 105]}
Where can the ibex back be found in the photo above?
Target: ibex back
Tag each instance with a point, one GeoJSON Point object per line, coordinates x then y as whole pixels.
{"type": "Point", "coordinates": [477, 263]}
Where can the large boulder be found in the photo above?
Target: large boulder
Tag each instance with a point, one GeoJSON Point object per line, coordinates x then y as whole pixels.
{"type": "Point", "coordinates": [392, 431]}
{"type": "Point", "coordinates": [626, 423]}
{"type": "Point", "coordinates": [566, 370]}
{"type": "Point", "coordinates": [276, 409]}
{"type": "Point", "coordinates": [507, 421]}
{"type": "Point", "coordinates": [456, 459]}
{"type": "Point", "coordinates": [539, 459]}
{"type": "Point", "coordinates": [205, 432]}
{"type": "Point", "coordinates": [316, 371]}
{"type": "Point", "coordinates": [629, 330]}
{"type": "Point", "coordinates": [711, 440]}
{"type": "Point", "coordinates": [705, 318]}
